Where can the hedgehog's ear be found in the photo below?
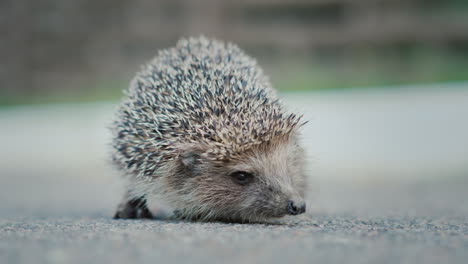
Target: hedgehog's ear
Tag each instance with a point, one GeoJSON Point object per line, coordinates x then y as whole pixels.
{"type": "Point", "coordinates": [190, 161]}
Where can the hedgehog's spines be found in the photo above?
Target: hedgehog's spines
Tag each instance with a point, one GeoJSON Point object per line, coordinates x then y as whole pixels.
{"type": "Point", "coordinates": [202, 92]}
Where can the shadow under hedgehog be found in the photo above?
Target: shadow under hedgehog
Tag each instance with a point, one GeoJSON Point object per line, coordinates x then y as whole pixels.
{"type": "Point", "coordinates": [201, 127]}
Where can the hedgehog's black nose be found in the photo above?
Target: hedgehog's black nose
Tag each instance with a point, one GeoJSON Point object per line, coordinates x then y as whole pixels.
{"type": "Point", "coordinates": [295, 208]}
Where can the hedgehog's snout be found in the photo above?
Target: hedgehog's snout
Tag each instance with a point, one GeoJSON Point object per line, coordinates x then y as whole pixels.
{"type": "Point", "coordinates": [296, 207]}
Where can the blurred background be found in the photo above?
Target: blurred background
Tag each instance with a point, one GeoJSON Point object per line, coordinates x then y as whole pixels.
{"type": "Point", "coordinates": [87, 50]}
{"type": "Point", "coordinates": [384, 84]}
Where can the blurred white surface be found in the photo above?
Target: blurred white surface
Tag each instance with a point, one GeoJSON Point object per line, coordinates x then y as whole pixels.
{"type": "Point", "coordinates": [384, 134]}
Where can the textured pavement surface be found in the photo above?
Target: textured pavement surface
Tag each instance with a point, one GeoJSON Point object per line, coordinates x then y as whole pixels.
{"type": "Point", "coordinates": [322, 239]}
{"type": "Point", "coordinates": [389, 181]}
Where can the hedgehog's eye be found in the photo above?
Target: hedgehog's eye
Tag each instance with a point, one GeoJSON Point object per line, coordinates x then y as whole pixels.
{"type": "Point", "coordinates": [242, 177]}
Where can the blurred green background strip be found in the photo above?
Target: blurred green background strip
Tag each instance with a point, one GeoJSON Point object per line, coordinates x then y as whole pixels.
{"type": "Point", "coordinates": [84, 50]}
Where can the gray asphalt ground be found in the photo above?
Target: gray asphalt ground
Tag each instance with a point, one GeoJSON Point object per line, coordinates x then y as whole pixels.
{"type": "Point", "coordinates": [383, 230]}
{"type": "Point", "coordinates": [319, 239]}
{"type": "Point", "coordinates": [392, 191]}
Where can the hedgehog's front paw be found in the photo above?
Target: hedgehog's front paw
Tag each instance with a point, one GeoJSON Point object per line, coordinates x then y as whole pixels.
{"type": "Point", "coordinates": [133, 209]}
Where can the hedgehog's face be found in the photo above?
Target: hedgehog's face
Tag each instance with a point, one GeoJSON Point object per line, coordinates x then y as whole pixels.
{"type": "Point", "coordinates": [266, 182]}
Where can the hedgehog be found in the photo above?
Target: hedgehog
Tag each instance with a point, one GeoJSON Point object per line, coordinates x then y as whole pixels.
{"type": "Point", "coordinates": [201, 128]}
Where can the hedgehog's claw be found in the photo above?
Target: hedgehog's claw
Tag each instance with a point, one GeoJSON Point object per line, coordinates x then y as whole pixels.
{"type": "Point", "coordinates": [133, 209]}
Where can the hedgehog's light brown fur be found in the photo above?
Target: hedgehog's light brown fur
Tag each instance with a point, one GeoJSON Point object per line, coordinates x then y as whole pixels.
{"type": "Point", "coordinates": [208, 104]}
